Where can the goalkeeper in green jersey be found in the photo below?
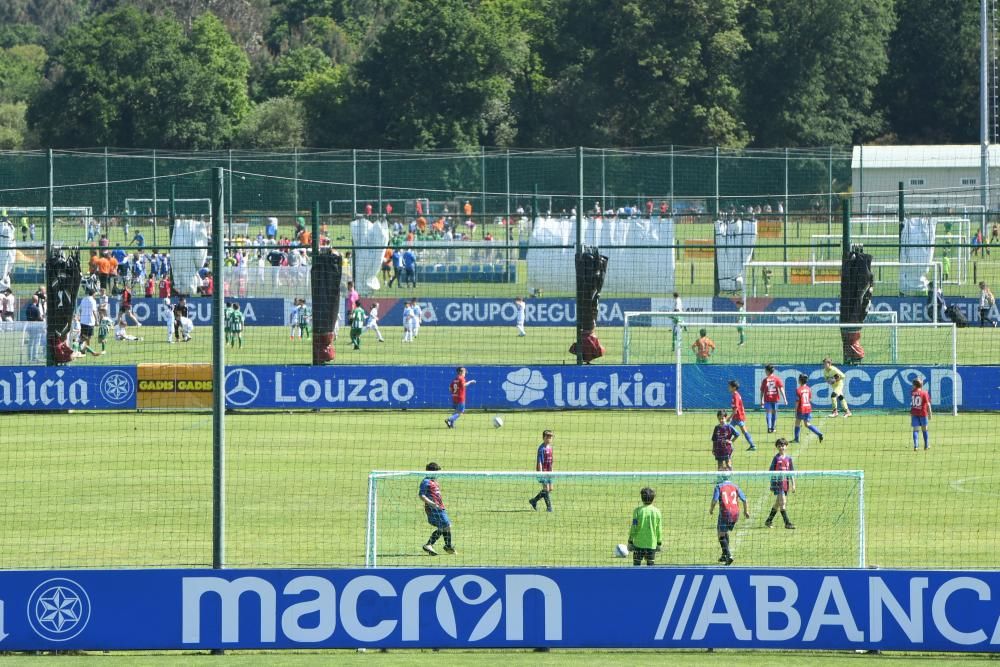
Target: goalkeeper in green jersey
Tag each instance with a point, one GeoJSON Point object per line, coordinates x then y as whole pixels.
{"type": "Point", "coordinates": [305, 318]}
{"type": "Point", "coordinates": [645, 537]}
{"type": "Point", "coordinates": [235, 321]}
{"type": "Point", "coordinates": [835, 378]}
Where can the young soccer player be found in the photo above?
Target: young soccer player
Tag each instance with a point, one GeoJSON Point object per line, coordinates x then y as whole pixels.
{"type": "Point", "coordinates": [803, 408]}
{"type": "Point", "coordinates": [236, 323]}
{"type": "Point", "coordinates": [357, 325]}
{"type": "Point", "coordinates": [437, 515]}
{"type": "Point", "coordinates": [74, 333]}
{"type": "Point", "coordinates": [371, 324]}
{"type": "Point", "coordinates": [305, 318]}
{"type": "Point", "coordinates": [457, 389]}
{"type": "Point", "coordinates": [543, 463]}
{"type": "Point", "coordinates": [742, 322]}
{"type": "Point", "coordinates": [738, 420]}
{"type": "Point", "coordinates": [835, 378]}
{"type": "Point", "coordinates": [645, 536]}
{"type": "Point", "coordinates": [781, 484]}
{"type": "Point", "coordinates": [722, 443]}
{"type": "Point", "coordinates": [121, 328]}
{"type": "Point", "coordinates": [920, 413]}
{"type": "Point", "coordinates": [104, 326]}
{"type": "Point", "coordinates": [703, 347]}
{"type": "Point", "coordinates": [728, 496]}
{"type": "Point", "coordinates": [771, 389]}
{"type": "Point", "coordinates": [519, 322]}
{"type": "Point", "coordinates": [409, 322]}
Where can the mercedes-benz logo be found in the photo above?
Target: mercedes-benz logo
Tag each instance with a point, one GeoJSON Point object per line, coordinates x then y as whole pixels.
{"type": "Point", "coordinates": [58, 609]}
{"type": "Point", "coordinates": [117, 387]}
{"type": "Point", "coordinates": [242, 387]}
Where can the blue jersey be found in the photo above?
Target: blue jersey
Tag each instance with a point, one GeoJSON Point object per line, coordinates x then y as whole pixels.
{"type": "Point", "coordinates": [780, 463]}
{"type": "Point", "coordinates": [545, 458]}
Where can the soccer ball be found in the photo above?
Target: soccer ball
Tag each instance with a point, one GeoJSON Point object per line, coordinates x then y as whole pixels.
{"type": "Point", "coordinates": [497, 422]}
{"type": "Point", "coordinates": [621, 551]}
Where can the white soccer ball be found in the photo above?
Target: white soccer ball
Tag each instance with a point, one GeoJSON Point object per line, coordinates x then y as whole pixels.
{"type": "Point", "coordinates": [621, 551]}
{"type": "Point", "coordinates": [497, 421]}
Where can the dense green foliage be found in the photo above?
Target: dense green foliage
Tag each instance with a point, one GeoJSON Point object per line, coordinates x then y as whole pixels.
{"type": "Point", "coordinates": [463, 73]}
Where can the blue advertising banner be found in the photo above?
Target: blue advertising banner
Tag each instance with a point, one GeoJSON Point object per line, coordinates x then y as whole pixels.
{"type": "Point", "coordinates": [503, 312]}
{"type": "Point", "coordinates": [881, 387]}
{"type": "Point", "coordinates": [497, 387]}
{"type": "Point", "coordinates": [621, 607]}
{"type": "Point", "coordinates": [42, 388]}
{"type": "Point", "coordinates": [908, 309]}
{"type": "Point", "coordinates": [258, 312]}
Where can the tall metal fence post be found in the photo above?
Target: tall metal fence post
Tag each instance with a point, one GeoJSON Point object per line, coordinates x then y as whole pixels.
{"type": "Point", "coordinates": [671, 180]}
{"type": "Point", "coordinates": [49, 225]}
{"type": "Point", "coordinates": [829, 195]}
{"type": "Point", "coordinates": [509, 232]}
{"type": "Point", "coordinates": [718, 209]}
{"type": "Point", "coordinates": [229, 195]}
{"type": "Point", "coordinates": [107, 177]}
{"type": "Point", "coordinates": [482, 167]}
{"type": "Point", "coordinates": [784, 222]}
{"type": "Point", "coordinates": [128, 213]}
{"type": "Point", "coordinates": [579, 251]}
{"type": "Point", "coordinates": [379, 187]}
{"type": "Point", "coordinates": [604, 182]}
{"type": "Point", "coordinates": [846, 230]}
{"type": "Point", "coordinates": [354, 182]}
{"type": "Point", "coordinates": [218, 374]}
{"type": "Point", "coordinates": [295, 177]}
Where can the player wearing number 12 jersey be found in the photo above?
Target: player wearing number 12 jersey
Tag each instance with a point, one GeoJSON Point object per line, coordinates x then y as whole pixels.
{"type": "Point", "coordinates": [728, 496]}
{"type": "Point", "coordinates": [771, 389]}
{"type": "Point", "coordinates": [543, 463]}
{"type": "Point", "coordinates": [803, 408]}
{"type": "Point", "coordinates": [920, 413]}
{"type": "Point", "coordinates": [457, 390]}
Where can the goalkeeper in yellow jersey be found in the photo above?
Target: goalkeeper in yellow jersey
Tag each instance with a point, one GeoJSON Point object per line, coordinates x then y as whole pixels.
{"type": "Point", "coordinates": [835, 378]}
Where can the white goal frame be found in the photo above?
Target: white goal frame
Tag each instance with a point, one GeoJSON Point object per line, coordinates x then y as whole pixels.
{"type": "Point", "coordinates": [371, 527]}
{"type": "Point", "coordinates": [679, 362]}
{"type": "Point", "coordinates": [935, 264]}
{"type": "Point", "coordinates": [155, 203]}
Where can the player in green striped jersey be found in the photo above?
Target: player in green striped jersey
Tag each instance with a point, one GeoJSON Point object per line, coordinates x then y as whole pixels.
{"type": "Point", "coordinates": [234, 325]}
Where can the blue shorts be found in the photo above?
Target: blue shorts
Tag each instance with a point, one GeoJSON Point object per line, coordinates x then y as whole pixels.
{"type": "Point", "coordinates": [725, 526]}
{"type": "Point", "coordinates": [737, 422]}
{"type": "Point", "coordinates": [459, 408]}
{"type": "Point", "coordinates": [807, 417]}
{"type": "Point", "coordinates": [770, 405]}
{"type": "Point", "coordinates": [438, 518]}
{"type": "Point", "coordinates": [545, 480]}
{"type": "Point", "coordinates": [723, 459]}
{"type": "Point", "coordinates": [918, 421]}
{"type": "Point", "coordinates": [778, 490]}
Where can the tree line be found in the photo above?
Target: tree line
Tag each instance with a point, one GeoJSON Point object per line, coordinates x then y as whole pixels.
{"type": "Point", "coordinates": [200, 74]}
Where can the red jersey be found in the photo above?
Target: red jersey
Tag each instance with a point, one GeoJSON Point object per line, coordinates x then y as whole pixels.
{"type": "Point", "coordinates": [920, 403]}
{"type": "Point", "coordinates": [804, 406]}
{"type": "Point", "coordinates": [779, 464]}
{"type": "Point", "coordinates": [545, 458]}
{"type": "Point", "coordinates": [770, 388]}
{"type": "Point", "coordinates": [739, 414]}
{"type": "Point", "coordinates": [457, 389]}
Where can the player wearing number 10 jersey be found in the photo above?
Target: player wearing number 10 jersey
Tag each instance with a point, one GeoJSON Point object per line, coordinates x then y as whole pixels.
{"type": "Point", "coordinates": [920, 413]}
{"type": "Point", "coordinates": [771, 389]}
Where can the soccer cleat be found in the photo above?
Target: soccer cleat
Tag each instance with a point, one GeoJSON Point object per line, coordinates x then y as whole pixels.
{"type": "Point", "coordinates": [722, 558]}
{"type": "Point", "coordinates": [729, 560]}
{"type": "Point", "coordinates": [821, 437]}
{"type": "Point", "coordinates": [751, 448]}
{"type": "Point", "coordinates": [533, 504]}
{"type": "Point", "coordinates": [767, 524]}
{"type": "Point", "coordinates": [794, 442]}
{"type": "Point", "coordinates": [835, 414]}
{"type": "Point", "coordinates": [447, 422]}
{"type": "Point", "coordinates": [548, 509]}
{"type": "Point", "coordinates": [848, 414]}
{"type": "Point", "coordinates": [430, 550]}
{"type": "Point", "coordinates": [926, 447]}
{"type": "Point", "coordinates": [790, 526]}
{"type": "Point", "coordinates": [450, 550]}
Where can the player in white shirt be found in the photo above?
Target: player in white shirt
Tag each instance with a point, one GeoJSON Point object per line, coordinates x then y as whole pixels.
{"type": "Point", "coordinates": [371, 323]}
{"type": "Point", "coordinates": [74, 333]}
{"type": "Point", "coordinates": [409, 321]}
{"type": "Point", "coordinates": [519, 322]}
{"type": "Point", "coordinates": [678, 306]}
{"type": "Point", "coordinates": [417, 317]}
{"type": "Point", "coordinates": [121, 329]}
{"type": "Point", "coordinates": [88, 321]}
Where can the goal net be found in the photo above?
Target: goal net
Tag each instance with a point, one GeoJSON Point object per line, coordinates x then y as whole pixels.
{"type": "Point", "coordinates": [493, 523]}
{"type": "Point", "coordinates": [66, 215]}
{"type": "Point", "coordinates": [676, 323]}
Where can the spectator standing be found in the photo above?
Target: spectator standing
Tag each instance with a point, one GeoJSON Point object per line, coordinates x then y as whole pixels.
{"type": "Point", "coordinates": [8, 305]}
{"type": "Point", "coordinates": [410, 267]}
{"type": "Point", "coordinates": [986, 303]}
{"type": "Point", "coordinates": [36, 333]}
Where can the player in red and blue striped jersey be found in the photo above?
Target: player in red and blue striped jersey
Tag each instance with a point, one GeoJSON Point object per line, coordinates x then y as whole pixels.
{"type": "Point", "coordinates": [722, 443]}
{"type": "Point", "coordinates": [457, 391]}
{"type": "Point", "coordinates": [728, 496]}
{"type": "Point", "coordinates": [543, 463]}
{"type": "Point", "coordinates": [803, 408]}
{"type": "Point", "coordinates": [437, 515]}
{"type": "Point", "coordinates": [781, 484]}
{"type": "Point", "coordinates": [920, 413]}
{"type": "Point", "coordinates": [738, 418]}
{"type": "Point", "coordinates": [771, 389]}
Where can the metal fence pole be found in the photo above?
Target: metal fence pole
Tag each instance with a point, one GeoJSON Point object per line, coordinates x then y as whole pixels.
{"type": "Point", "coordinates": [229, 194]}
{"type": "Point", "coordinates": [717, 208]}
{"type": "Point", "coordinates": [604, 184]}
{"type": "Point", "coordinates": [509, 232]}
{"type": "Point", "coordinates": [784, 221]}
{"type": "Point", "coordinates": [295, 177]}
{"type": "Point", "coordinates": [671, 180]}
{"type": "Point", "coordinates": [579, 251]}
{"type": "Point", "coordinates": [49, 225]}
{"type": "Point", "coordinates": [106, 179]}
{"type": "Point", "coordinates": [379, 186]}
{"type": "Point", "coordinates": [829, 195]}
{"type": "Point", "coordinates": [155, 209]}
{"type": "Point", "coordinates": [354, 182]}
{"type": "Point", "coordinates": [218, 374]}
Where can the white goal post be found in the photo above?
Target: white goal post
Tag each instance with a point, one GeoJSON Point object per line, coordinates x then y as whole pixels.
{"type": "Point", "coordinates": [594, 512]}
